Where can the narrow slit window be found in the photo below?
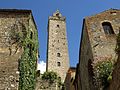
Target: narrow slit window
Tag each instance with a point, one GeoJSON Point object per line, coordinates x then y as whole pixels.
{"type": "Point", "coordinates": [107, 28]}
{"type": "Point", "coordinates": [31, 35]}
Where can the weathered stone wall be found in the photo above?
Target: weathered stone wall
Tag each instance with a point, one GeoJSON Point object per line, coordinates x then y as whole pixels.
{"type": "Point", "coordinates": [115, 82]}
{"type": "Point", "coordinates": [96, 45]}
{"type": "Point", "coordinates": [45, 85]}
{"type": "Point", "coordinates": [103, 45]}
{"type": "Point", "coordinates": [70, 79]}
{"type": "Point", "coordinates": [77, 81]}
{"type": "Point", "coordinates": [85, 56]}
{"type": "Point", "coordinates": [10, 51]}
{"type": "Point", "coordinates": [13, 26]}
{"type": "Point", "coordinates": [57, 53]}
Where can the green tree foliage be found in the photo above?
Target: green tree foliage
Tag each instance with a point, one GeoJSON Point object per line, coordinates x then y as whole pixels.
{"type": "Point", "coordinates": [50, 76]}
{"type": "Point", "coordinates": [28, 60]}
{"type": "Point", "coordinates": [103, 72]}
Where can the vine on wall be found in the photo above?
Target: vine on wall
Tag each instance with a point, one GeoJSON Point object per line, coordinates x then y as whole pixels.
{"type": "Point", "coordinates": [28, 60]}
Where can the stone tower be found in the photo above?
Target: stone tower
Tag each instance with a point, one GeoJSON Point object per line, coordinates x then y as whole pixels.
{"type": "Point", "coordinates": [57, 50]}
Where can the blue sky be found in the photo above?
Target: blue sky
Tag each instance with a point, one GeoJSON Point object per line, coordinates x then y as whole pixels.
{"type": "Point", "coordinates": [73, 10]}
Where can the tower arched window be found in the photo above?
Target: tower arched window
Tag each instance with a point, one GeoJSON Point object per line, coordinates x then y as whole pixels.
{"type": "Point", "coordinates": [58, 54]}
{"type": "Point", "coordinates": [58, 64]}
{"type": "Point", "coordinates": [107, 28]}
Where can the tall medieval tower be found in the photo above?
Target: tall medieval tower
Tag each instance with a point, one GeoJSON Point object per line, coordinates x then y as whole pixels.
{"type": "Point", "coordinates": [57, 50]}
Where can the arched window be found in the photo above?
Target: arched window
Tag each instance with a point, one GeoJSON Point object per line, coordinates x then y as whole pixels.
{"type": "Point", "coordinates": [58, 64]}
{"type": "Point", "coordinates": [107, 28]}
{"type": "Point", "coordinates": [58, 54]}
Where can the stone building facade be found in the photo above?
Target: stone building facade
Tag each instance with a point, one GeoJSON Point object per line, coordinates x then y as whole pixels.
{"type": "Point", "coordinates": [69, 80]}
{"type": "Point", "coordinates": [15, 25]}
{"type": "Point", "coordinates": [57, 50]}
{"type": "Point", "coordinates": [98, 43]}
{"type": "Point", "coordinates": [77, 80]}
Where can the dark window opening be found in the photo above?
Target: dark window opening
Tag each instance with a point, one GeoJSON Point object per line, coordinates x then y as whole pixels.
{"type": "Point", "coordinates": [58, 64]}
{"type": "Point", "coordinates": [58, 26]}
{"type": "Point", "coordinates": [38, 73]}
{"type": "Point", "coordinates": [113, 13]}
{"type": "Point", "coordinates": [107, 28]}
{"type": "Point", "coordinates": [3, 71]}
{"type": "Point", "coordinates": [57, 14]}
{"type": "Point", "coordinates": [31, 35]}
{"type": "Point", "coordinates": [17, 80]}
{"type": "Point", "coordinates": [58, 54]}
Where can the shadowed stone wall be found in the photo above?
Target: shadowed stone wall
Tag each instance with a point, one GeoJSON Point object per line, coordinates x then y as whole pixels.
{"type": "Point", "coordinates": [96, 45]}
{"type": "Point", "coordinates": [115, 82]}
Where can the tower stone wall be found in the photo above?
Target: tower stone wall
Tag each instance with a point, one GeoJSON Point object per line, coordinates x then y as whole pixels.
{"type": "Point", "coordinates": [57, 51]}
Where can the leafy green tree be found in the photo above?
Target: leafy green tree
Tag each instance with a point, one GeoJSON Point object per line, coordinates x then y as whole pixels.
{"type": "Point", "coordinates": [51, 76]}
{"type": "Point", "coordinates": [103, 72]}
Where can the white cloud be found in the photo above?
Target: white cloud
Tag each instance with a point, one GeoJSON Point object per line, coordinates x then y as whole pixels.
{"type": "Point", "coordinates": [41, 66]}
